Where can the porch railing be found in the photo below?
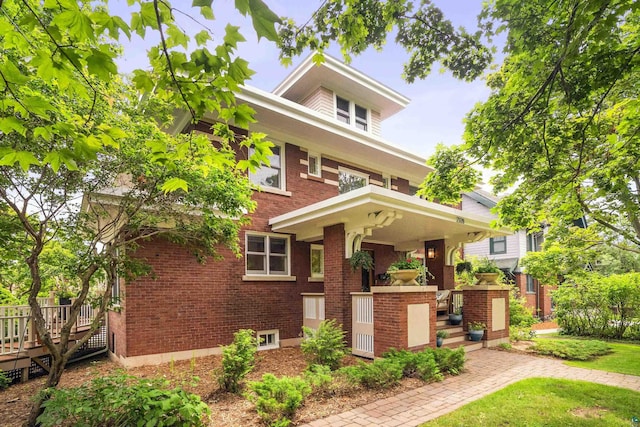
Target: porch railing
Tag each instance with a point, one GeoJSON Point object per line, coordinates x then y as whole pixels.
{"type": "Point", "coordinates": [17, 329]}
{"type": "Point", "coordinates": [456, 300]}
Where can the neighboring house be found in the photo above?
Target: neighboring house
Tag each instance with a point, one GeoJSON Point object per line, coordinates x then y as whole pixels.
{"type": "Point", "coordinates": [507, 251]}
{"type": "Point", "coordinates": [334, 186]}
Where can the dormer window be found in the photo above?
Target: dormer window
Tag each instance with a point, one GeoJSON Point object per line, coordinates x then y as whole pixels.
{"type": "Point", "coordinates": [346, 109]}
{"type": "Point", "coordinates": [342, 110]}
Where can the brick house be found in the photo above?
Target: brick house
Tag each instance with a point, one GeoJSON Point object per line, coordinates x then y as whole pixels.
{"type": "Point", "coordinates": [334, 186]}
{"type": "Point", "coordinates": [507, 251]}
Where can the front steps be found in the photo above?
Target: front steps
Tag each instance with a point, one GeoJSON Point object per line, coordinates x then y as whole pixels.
{"type": "Point", "coordinates": [457, 336]}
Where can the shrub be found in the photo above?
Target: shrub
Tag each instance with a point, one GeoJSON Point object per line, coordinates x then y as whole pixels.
{"type": "Point", "coordinates": [519, 314]}
{"type": "Point", "coordinates": [318, 376]}
{"type": "Point", "coordinates": [4, 380]}
{"type": "Point", "coordinates": [380, 374]}
{"type": "Point", "coordinates": [505, 346]}
{"type": "Point", "coordinates": [238, 359]}
{"type": "Point", "coordinates": [518, 333]}
{"type": "Point", "coordinates": [324, 346]}
{"type": "Point", "coordinates": [277, 399]}
{"type": "Point", "coordinates": [572, 349]}
{"type": "Point", "coordinates": [121, 399]}
{"type": "Point", "coordinates": [420, 365]}
{"type": "Point", "coordinates": [450, 361]}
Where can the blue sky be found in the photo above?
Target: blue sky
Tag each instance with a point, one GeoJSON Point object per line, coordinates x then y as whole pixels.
{"type": "Point", "coordinates": [438, 104]}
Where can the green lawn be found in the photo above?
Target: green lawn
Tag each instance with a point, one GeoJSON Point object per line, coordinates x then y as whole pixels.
{"type": "Point", "coordinates": [548, 402]}
{"type": "Point", "coordinates": [624, 359]}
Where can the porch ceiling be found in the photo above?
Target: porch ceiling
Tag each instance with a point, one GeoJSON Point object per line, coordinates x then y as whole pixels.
{"type": "Point", "coordinates": [384, 216]}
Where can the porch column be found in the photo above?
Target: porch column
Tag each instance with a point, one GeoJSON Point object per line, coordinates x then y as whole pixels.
{"type": "Point", "coordinates": [444, 277]}
{"type": "Point", "coordinates": [339, 280]}
{"type": "Point", "coordinates": [488, 304]}
{"type": "Point", "coordinates": [404, 317]}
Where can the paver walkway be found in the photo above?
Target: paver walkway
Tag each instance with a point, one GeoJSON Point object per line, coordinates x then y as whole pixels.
{"type": "Point", "coordinates": [486, 372]}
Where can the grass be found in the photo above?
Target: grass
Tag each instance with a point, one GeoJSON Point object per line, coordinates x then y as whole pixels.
{"type": "Point", "coordinates": [625, 359]}
{"type": "Point", "coordinates": [548, 402]}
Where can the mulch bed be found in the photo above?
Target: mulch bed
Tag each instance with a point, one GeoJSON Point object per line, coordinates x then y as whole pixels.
{"type": "Point", "coordinates": [226, 409]}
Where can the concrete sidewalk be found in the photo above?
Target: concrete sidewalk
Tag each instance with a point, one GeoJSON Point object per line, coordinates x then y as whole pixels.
{"type": "Point", "coordinates": [486, 371]}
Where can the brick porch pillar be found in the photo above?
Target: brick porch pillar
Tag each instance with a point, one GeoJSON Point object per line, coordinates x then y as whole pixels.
{"type": "Point", "coordinates": [339, 280]}
{"type": "Point", "coordinates": [404, 317]}
{"type": "Point", "coordinates": [488, 304]}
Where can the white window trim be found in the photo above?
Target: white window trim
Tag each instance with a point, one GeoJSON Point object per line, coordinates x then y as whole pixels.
{"type": "Point", "coordinates": [312, 274]}
{"type": "Point", "coordinates": [266, 276]}
{"type": "Point", "coordinates": [318, 162]}
{"type": "Point", "coordinates": [276, 344]}
{"type": "Point", "coordinates": [387, 178]}
{"type": "Point", "coordinates": [352, 113]}
{"type": "Point", "coordinates": [282, 190]}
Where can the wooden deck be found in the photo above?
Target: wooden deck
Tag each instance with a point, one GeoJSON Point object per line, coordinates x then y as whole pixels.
{"type": "Point", "coordinates": [21, 351]}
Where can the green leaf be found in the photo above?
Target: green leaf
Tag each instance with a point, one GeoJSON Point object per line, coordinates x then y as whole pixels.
{"type": "Point", "coordinates": [54, 159]}
{"type": "Point", "coordinates": [101, 65]}
{"type": "Point", "coordinates": [202, 37]}
{"type": "Point", "coordinates": [12, 124]}
{"type": "Point", "coordinates": [12, 74]}
{"type": "Point", "coordinates": [232, 35]}
{"type": "Point", "coordinates": [174, 184]}
{"type": "Point", "coordinates": [201, 3]}
{"type": "Point", "coordinates": [79, 24]}
{"type": "Point", "coordinates": [26, 159]}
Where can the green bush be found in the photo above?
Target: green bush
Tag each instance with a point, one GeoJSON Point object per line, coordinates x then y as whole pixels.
{"type": "Point", "coordinates": [519, 333]}
{"type": "Point", "coordinates": [599, 306]}
{"type": "Point", "coordinates": [277, 399]}
{"type": "Point", "coordinates": [420, 365]}
{"type": "Point", "coordinates": [572, 349]}
{"type": "Point", "coordinates": [324, 346]}
{"type": "Point", "coordinates": [450, 361]}
{"type": "Point", "coordinates": [519, 314]}
{"type": "Point", "coordinates": [238, 359]}
{"type": "Point", "coordinates": [380, 374]}
{"type": "Point", "coordinates": [318, 376]}
{"type": "Point", "coordinates": [120, 400]}
{"type": "Point", "coordinates": [4, 380]}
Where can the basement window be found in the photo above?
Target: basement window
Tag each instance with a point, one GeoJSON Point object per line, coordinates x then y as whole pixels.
{"type": "Point", "coordinates": [268, 340]}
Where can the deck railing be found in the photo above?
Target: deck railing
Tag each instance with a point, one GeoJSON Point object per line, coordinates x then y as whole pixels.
{"type": "Point", "coordinates": [456, 300]}
{"type": "Point", "coordinates": [17, 329]}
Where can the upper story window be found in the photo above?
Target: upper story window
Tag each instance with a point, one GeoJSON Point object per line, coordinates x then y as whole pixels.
{"type": "Point", "coordinates": [531, 287]}
{"type": "Point", "coordinates": [314, 166]}
{"type": "Point", "coordinates": [498, 245]}
{"type": "Point", "coordinates": [267, 254]}
{"type": "Point", "coordinates": [386, 181]}
{"type": "Point", "coordinates": [270, 176]}
{"type": "Point", "coordinates": [346, 110]}
{"type": "Point", "coordinates": [534, 241]}
{"type": "Point", "coordinates": [349, 180]}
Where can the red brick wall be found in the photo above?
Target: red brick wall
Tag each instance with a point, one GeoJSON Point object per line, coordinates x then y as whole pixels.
{"type": "Point", "coordinates": [186, 305]}
{"type": "Point", "coordinates": [390, 319]}
{"type": "Point", "coordinates": [117, 332]}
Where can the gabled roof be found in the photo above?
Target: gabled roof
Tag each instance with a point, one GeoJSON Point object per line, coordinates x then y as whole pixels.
{"type": "Point", "coordinates": [345, 81]}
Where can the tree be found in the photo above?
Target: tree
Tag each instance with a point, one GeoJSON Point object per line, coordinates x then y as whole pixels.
{"type": "Point", "coordinates": [561, 126]}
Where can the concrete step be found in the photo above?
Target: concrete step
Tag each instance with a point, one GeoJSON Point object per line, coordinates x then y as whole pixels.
{"type": "Point", "coordinates": [455, 338]}
{"type": "Point", "coordinates": [468, 345]}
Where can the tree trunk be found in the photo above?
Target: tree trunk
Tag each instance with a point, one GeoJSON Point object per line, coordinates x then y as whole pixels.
{"type": "Point", "coordinates": [57, 368]}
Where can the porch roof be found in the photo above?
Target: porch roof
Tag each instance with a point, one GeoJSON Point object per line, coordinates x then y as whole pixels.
{"type": "Point", "coordinates": [379, 215]}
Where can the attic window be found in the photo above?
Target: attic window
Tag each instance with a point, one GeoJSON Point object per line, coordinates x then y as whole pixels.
{"type": "Point", "coordinates": [342, 110]}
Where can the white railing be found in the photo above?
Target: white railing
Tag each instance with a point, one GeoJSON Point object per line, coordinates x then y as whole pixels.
{"type": "Point", "coordinates": [362, 324]}
{"type": "Point", "coordinates": [17, 330]}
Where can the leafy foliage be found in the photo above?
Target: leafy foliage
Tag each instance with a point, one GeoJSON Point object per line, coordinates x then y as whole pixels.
{"type": "Point", "coordinates": [420, 365]}
{"type": "Point", "coordinates": [450, 361]}
{"type": "Point", "coordinates": [324, 346]}
{"type": "Point", "coordinates": [519, 314]}
{"type": "Point", "coordinates": [4, 380]}
{"type": "Point", "coordinates": [277, 399]}
{"type": "Point", "coordinates": [238, 359]}
{"type": "Point", "coordinates": [130, 401]}
{"type": "Point", "coordinates": [598, 306]}
{"type": "Point", "coordinates": [561, 124]}
{"type": "Point", "coordinates": [379, 374]}
{"type": "Point", "coordinates": [572, 349]}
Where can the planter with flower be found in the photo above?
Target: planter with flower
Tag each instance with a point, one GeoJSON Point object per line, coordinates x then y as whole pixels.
{"type": "Point", "coordinates": [455, 318]}
{"type": "Point", "coordinates": [441, 335]}
{"type": "Point", "coordinates": [404, 272]}
{"type": "Point", "coordinates": [487, 272]}
{"type": "Point", "coordinates": [476, 330]}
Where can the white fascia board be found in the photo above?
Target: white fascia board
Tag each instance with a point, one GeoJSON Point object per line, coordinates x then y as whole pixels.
{"type": "Point", "coordinates": [299, 112]}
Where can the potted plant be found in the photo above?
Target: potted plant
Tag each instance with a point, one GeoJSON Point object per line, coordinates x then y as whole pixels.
{"type": "Point", "coordinates": [441, 335]}
{"type": "Point", "coordinates": [455, 318]}
{"type": "Point", "coordinates": [487, 272]}
{"type": "Point", "coordinates": [476, 330]}
{"type": "Point", "coordinates": [361, 259]}
{"type": "Point", "coordinates": [405, 271]}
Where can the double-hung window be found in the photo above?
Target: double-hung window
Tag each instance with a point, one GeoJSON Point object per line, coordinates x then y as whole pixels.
{"type": "Point", "coordinates": [314, 166]}
{"type": "Point", "coordinates": [347, 110]}
{"type": "Point", "coordinates": [270, 176]}
{"type": "Point", "coordinates": [267, 254]}
{"type": "Point", "coordinates": [498, 245]}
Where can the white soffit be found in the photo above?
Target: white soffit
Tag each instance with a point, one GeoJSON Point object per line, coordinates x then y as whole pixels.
{"type": "Point", "coordinates": [345, 81]}
{"type": "Point", "coordinates": [291, 122]}
{"type": "Point", "coordinates": [418, 220]}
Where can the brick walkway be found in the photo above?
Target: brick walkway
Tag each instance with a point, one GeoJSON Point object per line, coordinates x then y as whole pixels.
{"type": "Point", "coordinates": [486, 371]}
